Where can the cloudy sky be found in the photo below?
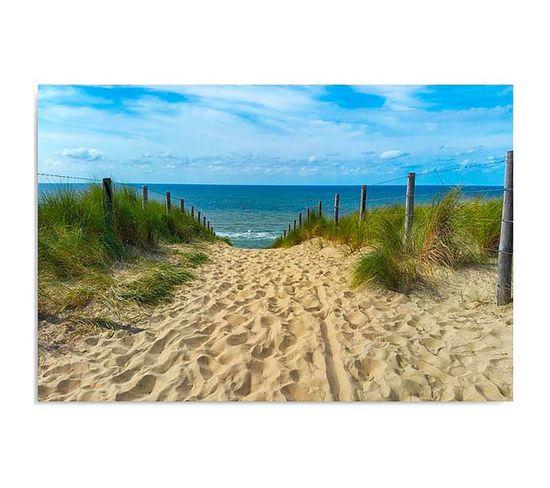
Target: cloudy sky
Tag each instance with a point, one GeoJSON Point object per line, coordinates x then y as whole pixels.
{"type": "Point", "coordinates": [239, 134]}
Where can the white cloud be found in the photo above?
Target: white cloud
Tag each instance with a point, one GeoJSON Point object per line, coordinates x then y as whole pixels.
{"type": "Point", "coordinates": [81, 153]}
{"type": "Point", "coordinates": [398, 97]}
{"type": "Point", "coordinates": [272, 97]}
{"type": "Point", "coordinates": [393, 154]}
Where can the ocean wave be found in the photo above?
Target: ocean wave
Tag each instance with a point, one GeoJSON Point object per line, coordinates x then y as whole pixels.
{"type": "Point", "coordinates": [248, 235]}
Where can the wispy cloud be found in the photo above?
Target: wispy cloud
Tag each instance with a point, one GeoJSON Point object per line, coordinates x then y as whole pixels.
{"type": "Point", "coordinates": [393, 154]}
{"type": "Point", "coordinates": [397, 97]}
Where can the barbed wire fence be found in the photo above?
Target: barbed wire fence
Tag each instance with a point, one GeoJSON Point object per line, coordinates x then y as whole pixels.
{"type": "Point", "coordinates": [107, 184]}
{"type": "Point", "coordinates": [505, 249]}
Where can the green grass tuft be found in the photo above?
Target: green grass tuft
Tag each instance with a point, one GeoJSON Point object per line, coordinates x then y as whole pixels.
{"type": "Point", "coordinates": [392, 263]}
{"type": "Point", "coordinates": [196, 258]}
{"type": "Point", "coordinates": [154, 286]}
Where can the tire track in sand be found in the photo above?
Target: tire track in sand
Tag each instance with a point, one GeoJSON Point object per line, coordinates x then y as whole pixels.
{"type": "Point", "coordinates": [332, 376]}
{"type": "Point", "coordinates": [338, 378]}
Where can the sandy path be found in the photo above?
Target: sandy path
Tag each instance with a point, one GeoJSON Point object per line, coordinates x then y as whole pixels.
{"type": "Point", "coordinates": [285, 325]}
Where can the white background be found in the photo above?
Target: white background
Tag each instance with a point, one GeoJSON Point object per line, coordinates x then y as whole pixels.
{"type": "Point", "coordinates": [274, 42]}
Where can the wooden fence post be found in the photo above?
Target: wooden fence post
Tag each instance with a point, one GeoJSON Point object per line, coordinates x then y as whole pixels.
{"type": "Point", "coordinates": [409, 204]}
{"type": "Point", "coordinates": [505, 248]}
{"type": "Point", "coordinates": [288, 229]}
{"type": "Point", "coordinates": [204, 221]}
{"type": "Point", "coordinates": [300, 220]}
{"type": "Point", "coordinates": [145, 191]}
{"type": "Point", "coordinates": [192, 212]}
{"type": "Point", "coordinates": [336, 208]}
{"type": "Point", "coordinates": [108, 203]}
{"type": "Point", "coordinates": [308, 214]}
{"type": "Point", "coordinates": [168, 202]}
{"type": "Point", "coordinates": [294, 224]}
{"type": "Point", "coordinates": [320, 208]}
{"type": "Point", "coordinates": [284, 234]}
{"type": "Point", "coordinates": [199, 217]}
{"type": "Point", "coordinates": [363, 205]}
{"type": "Point", "coordinates": [182, 205]}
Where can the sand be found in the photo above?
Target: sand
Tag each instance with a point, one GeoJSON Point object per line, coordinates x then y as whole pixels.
{"type": "Point", "coordinates": [284, 324]}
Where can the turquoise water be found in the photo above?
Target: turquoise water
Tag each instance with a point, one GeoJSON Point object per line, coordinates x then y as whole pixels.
{"type": "Point", "coordinates": [253, 216]}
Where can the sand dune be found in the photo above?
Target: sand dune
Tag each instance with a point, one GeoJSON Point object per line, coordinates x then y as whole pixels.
{"type": "Point", "coordinates": [261, 325]}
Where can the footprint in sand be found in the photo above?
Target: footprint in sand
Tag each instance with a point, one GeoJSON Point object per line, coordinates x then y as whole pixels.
{"type": "Point", "coordinates": [143, 388]}
{"type": "Point", "coordinates": [67, 386]}
{"type": "Point", "coordinates": [246, 385]}
{"type": "Point", "coordinates": [204, 367]}
{"type": "Point", "coordinates": [237, 339]}
{"type": "Point", "coordinates": [196, 340]}
{"type": "Point", "coordinates": [234, 319]}
{"type": "Point", "coordinates": [261, 352]}
{"type": "Point", "coordinates": [296, 393]}
{"type": "Point", "coordinates": [125, 376]}
{"type": "Point", "coordinates": [184, 387]}
{"type": "Point", "coordinates": [356, 319]}
{"type": "Point", "coordinates": [288, 341]}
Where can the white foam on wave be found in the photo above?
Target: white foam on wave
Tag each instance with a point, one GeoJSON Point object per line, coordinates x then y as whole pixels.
{"type": "Point", "coordinates": [248, 235]}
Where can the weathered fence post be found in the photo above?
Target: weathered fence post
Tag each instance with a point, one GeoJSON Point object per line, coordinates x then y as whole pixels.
{"type": "Point", "coordinates": [320, 208]}
{"type": "Point", "coordinates": [294, 224]}
{"type": "Point", "coordinates": [192, 212]}
{"type": "Point", "coordinates": [288, 229]}
{"type": "Point", "coordinates": [208, 225]}
{"type": "Point", "coordinates": [505, 248]}
{"type": "Point", "coordinates": [284, 234]}
{"type": "Point", "coordinates": [168, 202]}
{"type": "Point", "coordinates": [204, 221]}
{"type": "Point", "coordinates": [363, 205]}
{"type": "Point", "coordinates": [199, 216]}
{"type": "Point", "coordinates": [336, 208]}
{"type": "Point", "coordinates": [300, 220]}
{"type": "Point", "coordinates": [108, 203]}
{"type": "Point", "coordinates": [145, 191]}
{"type": "Point", "coordinates": [409, 204]}
{"type": "Point", "coordinates": [182, 205]}
{"type": "Point", "coordinates": [308, 214]}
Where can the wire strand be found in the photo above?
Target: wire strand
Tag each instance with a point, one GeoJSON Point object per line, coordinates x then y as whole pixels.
{"type": "Point", "coordinates": [119, 183]}
{"type": "Point", "coordinates": [68, 177]}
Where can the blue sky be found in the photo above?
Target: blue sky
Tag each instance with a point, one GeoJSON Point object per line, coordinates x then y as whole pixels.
{"type": "Point", "coordinates": [278, 134]}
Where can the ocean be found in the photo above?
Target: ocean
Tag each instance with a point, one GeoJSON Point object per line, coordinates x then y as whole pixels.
{"type": "Point", "coordinates": [252, 216]}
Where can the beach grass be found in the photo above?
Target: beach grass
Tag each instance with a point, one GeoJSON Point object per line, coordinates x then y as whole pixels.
{"type": "Point", "coordinates": [451, 232]}
{"type": "Point", "coordinates": [155, 285]}
{"type": "Point", "coordinates": [79, 254]}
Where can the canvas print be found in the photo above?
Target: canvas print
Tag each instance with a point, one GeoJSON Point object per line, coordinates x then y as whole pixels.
{"type": "Point", "coordinates": [275, 243]}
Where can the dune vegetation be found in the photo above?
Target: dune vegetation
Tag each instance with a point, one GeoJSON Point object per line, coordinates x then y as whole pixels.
{"type": "Point", "coordinates": [83, 262]}
{"type": "Point", "coordinates": [452, 232]}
